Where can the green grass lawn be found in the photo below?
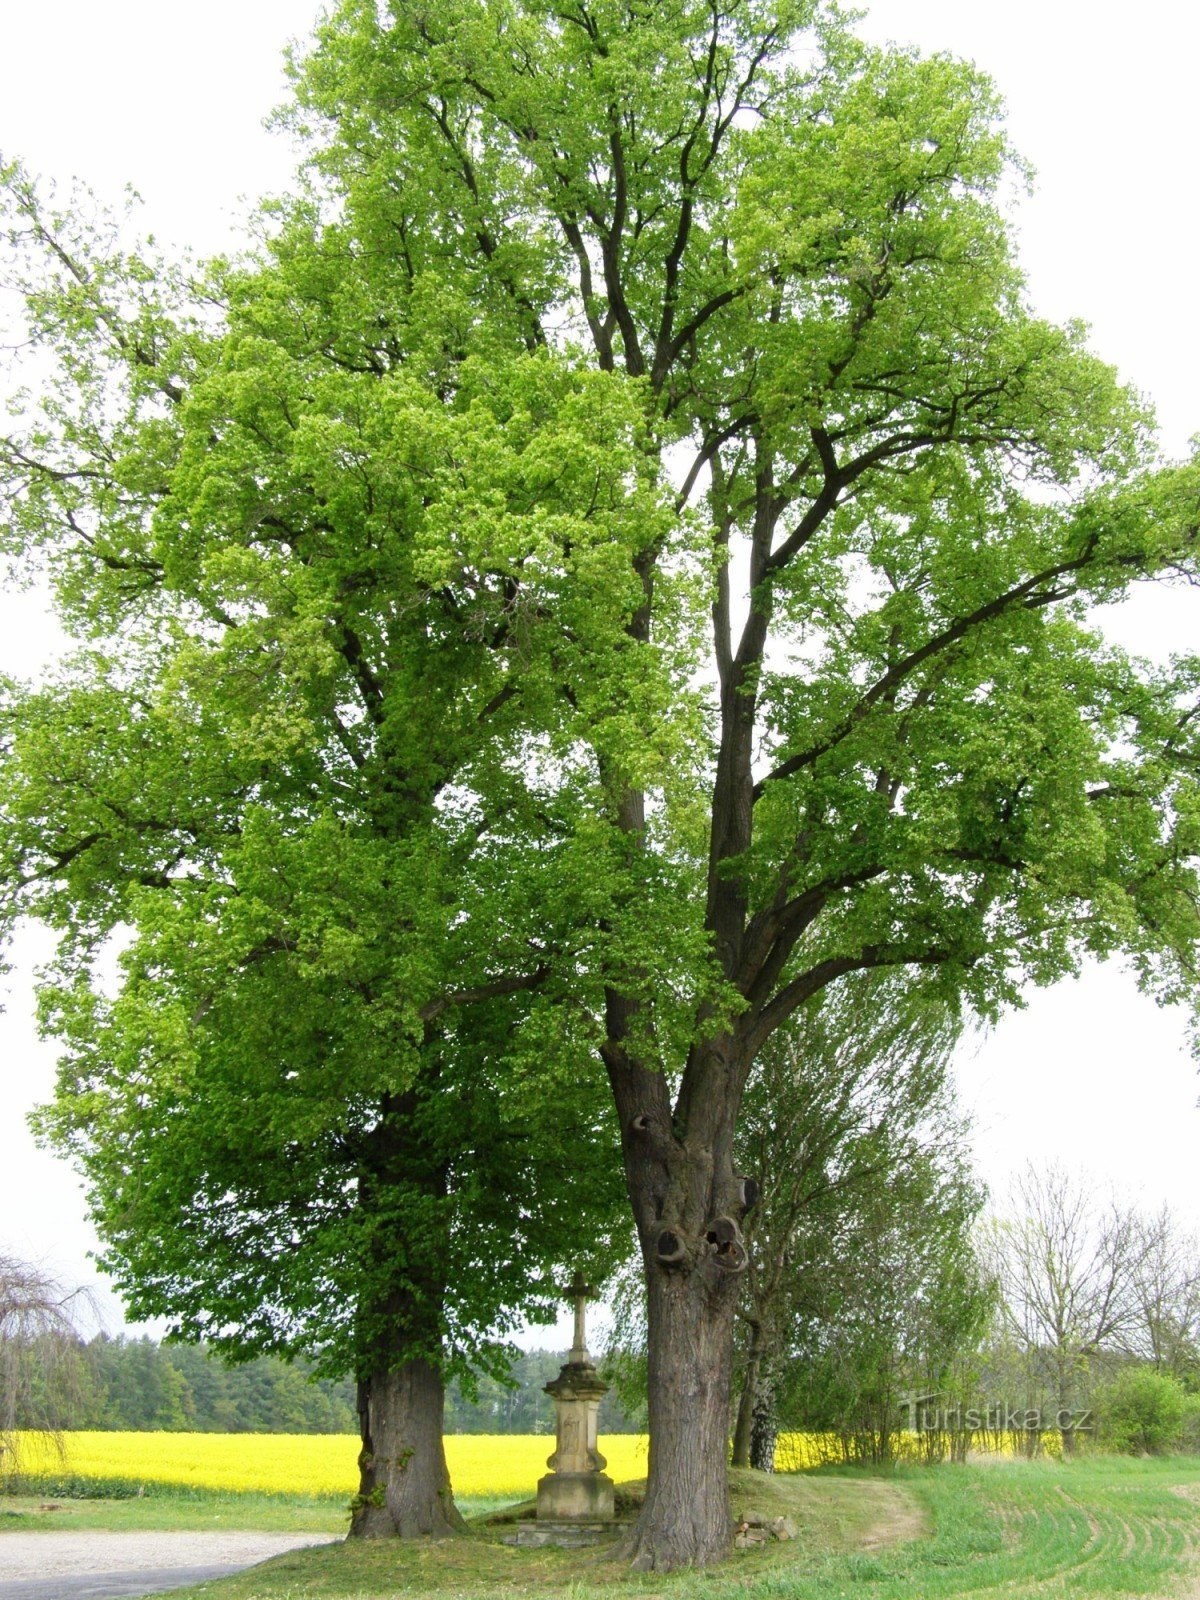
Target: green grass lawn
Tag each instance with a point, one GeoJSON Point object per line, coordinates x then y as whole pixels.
{"type": "Point", "coordinates": [275, 1513]}
{"type": "Point", "coordinates": [264, 1513]}
{"type": "Point", "coordinates": [1006, 1530]}
{"type": "Point", "coordinates": [1107, 1527]}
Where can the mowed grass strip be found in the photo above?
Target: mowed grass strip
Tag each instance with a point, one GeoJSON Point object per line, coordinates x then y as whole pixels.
{"type": "Point", "coordinates": [172, 1511]}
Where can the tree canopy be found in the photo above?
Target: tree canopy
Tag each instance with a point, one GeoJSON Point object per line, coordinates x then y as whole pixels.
{"type": "Point", "coordinates": [616, 564]}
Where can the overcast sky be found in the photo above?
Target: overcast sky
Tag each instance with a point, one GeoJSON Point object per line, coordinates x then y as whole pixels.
{"type": "Point", "coordinates": [171, 99]}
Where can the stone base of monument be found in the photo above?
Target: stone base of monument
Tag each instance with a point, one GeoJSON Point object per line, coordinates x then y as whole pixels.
{"type": "Point", "coordinates": [566, 1535]}
{"type": "Point", "coordinates": [575, 1497]}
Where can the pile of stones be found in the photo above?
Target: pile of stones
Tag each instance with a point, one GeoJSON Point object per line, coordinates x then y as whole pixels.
{"type": "Point", "coordinates": [754, 1529]}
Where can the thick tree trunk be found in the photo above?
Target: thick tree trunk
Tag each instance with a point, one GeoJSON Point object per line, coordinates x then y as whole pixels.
{"type": "Point", "coordinates": [404, 1486]}
{"type": "Point", "coordinates": [686, 1519]}
{"type": "Point", "coordinates": [689, 1203]}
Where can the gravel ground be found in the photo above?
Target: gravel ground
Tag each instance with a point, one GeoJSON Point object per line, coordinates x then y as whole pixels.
{"type": "Point", "coordinates": [47, 1566]}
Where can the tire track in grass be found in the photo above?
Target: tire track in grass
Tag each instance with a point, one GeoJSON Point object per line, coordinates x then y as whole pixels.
{"type": "Point", "coordinates": [1066, 1545]}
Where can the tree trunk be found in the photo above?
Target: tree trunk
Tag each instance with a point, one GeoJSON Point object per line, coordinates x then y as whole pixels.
{"type": "Point", "coordinates": [765, 1425]}
{"type": "Point", "coordinates": [404, 1486]}
{"type": "Point", "coordinates": [689, 1203]}
{"type": "Point", "coordinates": [686, 1519]}
{"type": "Point", "coordinates": [1064, 1388]}
{"type": "Point", "coordinates": [744, 1427]}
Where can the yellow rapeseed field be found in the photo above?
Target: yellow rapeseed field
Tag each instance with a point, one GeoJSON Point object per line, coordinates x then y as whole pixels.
{"type": "Point", "coordinates": [308, 1464]}
{"type": "Point", "coordinates": [502, 1465]}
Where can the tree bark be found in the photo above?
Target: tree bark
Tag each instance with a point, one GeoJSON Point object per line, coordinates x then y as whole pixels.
{"type": "Point", "coordinates": [686, 1518]}
{"type": "Point", "coordinates": [765, 1425]}
{"type": "Point", "coordinates": [404, 1485]}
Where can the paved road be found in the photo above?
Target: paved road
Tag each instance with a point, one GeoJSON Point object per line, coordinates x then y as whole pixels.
{"type": "Point", "coordinates": [103, 1566]}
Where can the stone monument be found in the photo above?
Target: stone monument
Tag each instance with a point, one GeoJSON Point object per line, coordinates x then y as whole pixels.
{"type": "Point", "coordinates": [576, 1489]}
{"type": "Point", "coordinates": [574, 1499]}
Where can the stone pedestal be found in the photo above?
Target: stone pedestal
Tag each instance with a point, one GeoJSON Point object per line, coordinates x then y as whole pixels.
{"type": "Point", "coordinates": [561, 1535]}
{"type": "Point", "coordinates": [576, 1489]}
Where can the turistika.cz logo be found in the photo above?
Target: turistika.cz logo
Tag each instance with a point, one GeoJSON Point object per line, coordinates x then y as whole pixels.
{"type": "Point", "coordinates": [922, 1413]}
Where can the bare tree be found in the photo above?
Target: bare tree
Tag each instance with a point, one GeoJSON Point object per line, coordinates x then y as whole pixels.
{"type": "Point", "coordinates": [1069, 1275]}
{"type": "Point", "coordinates": [38, 1340]}
{"type": "Point", "coordinates": [1166, 1291]}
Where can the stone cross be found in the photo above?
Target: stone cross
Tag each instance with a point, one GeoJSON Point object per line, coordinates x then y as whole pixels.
{"type": "Point", "coordinates": [581, 1293]}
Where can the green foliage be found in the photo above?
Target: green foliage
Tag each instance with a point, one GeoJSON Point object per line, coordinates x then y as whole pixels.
{"type": "Point", "coordinates": [1141, 1412]}
{"type": "Point", "coordinates": [418, 752]}
{"type": "Point", "coordinates": [265, 1395]}
{"type": "Point", "coordinates": [798, 252]}
{"type": "Point", "coordinates": [138, 1385]}
{"type": "Point", "coordinates": [863, 1284]}
{"type": "Point", "coordinates": [892, 1310]}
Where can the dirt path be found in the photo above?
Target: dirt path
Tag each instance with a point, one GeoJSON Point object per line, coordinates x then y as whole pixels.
{"type": "Point", "coordinates": [96, 1566]}
{"type": "Point", "coordinates": [897, 1516]}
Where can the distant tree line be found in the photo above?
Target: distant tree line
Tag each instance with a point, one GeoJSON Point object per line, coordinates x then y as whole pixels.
{"type": "Point", "coordinates": [1066, 1322]}
{"type": "Point", "coordinates": [520, 1406]}
{"type": "Point", "coordinates": [140, 1385]}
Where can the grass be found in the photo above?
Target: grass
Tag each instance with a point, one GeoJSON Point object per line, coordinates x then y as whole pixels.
{"type": "Point", "coordinates": [253, 1512]}
{"type": "Point", "coordinates": [834, 1513]}
{"type": "Point", "coordinates": [191, 1511]}
{"type": "Point", "coordinates": [1004, 1530]}
{"type": "Point", "coordinates": [1016, 1530]}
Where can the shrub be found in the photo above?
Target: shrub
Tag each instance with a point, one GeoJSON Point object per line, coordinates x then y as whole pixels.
{"type": "Point", "coordinates": [1141, 1412]}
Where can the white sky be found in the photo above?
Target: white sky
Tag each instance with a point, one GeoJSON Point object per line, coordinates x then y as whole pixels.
{"type": "Point", "coordinates": [171, 98]}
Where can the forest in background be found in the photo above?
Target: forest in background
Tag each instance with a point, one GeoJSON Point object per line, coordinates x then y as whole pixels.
{"type": "Point", "coordinates": [136, 1384]}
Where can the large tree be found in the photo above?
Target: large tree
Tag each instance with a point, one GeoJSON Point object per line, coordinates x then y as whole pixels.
{"type": "Point", "coordinates": [916, 751]}
{"type": "Point", "coordinates": [307, 1123]}
{"type": "Point", "coordinates": [895, 492]}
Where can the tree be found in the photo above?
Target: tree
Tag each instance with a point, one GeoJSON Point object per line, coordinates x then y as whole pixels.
{"type": "Point", "coordinates": [1166, 1293]}
{"type": "Point", "coordinates": [39, 1376]}
{"type": "Point", "coordinates": [1092, 1289]}
{"type": "Point", "coordinates": [801, 400]}
{"type": "Point", "coordinates": [845, 1115]}
{"type": "Point", "coordinates": [1068, 1273]}
{"type": "Point", "coordinates": [1141, 1412]}
{"type": "Point", "coordinates": [863, 1281]}
{"type": "Point", "coordinates": [291, 1142]}
{"type": "Point", "coordinates": [882, 1339]}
